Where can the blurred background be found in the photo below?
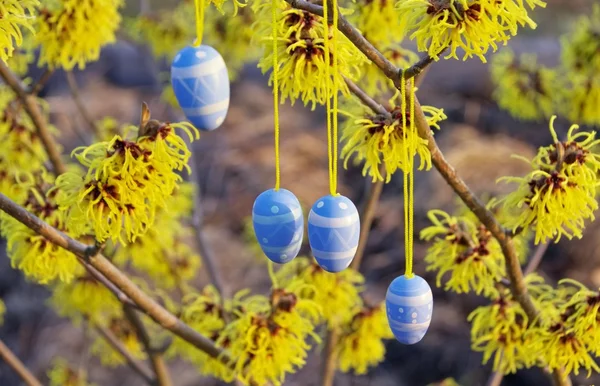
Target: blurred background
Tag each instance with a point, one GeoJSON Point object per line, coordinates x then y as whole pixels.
{"type": "Point", "coordinates": [235, 163]}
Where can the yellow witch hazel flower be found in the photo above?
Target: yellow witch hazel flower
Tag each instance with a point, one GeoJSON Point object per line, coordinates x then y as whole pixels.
{"type": "Point", "coordinates": [374, 82]}
{"type": "Point", "coordinates": [84, 297]}
{"type": "Point", "coordinates": [39, 259]}
{"type": "Point", "coordinates": [467, 251]}
{"type": "Point", "coordinates": [126, 182]}
{"type": "Point", "coordinates": [360, 345]}
{"type": "Point", "coordinates": [559, 194]}
{"type": "Point", "coordinates": [72, 32]}
{"type": "Point", "coordinates": [377, 20]}
{"type": "Point", "coordinates": [523, 88]}
{"type": "Point", "coordinates": [125, 333]}
{"type": "Point", "coordinates": [500, 330]}
{"type": "Point", "coordinates": [22, 56]}
{"type": "Point", "coordinates": [377, 139]}
{"type": "Point", "coordinates": [270, 337]}
{"type": "Point", "coordinates": [338, 295]}
{"type": "Point", "coordinates": [15, 15]}
{"type": "Point", "coordinates": [472, 25]}
{"type": "Point", "coordinates": [62, 374]}
{"type": "Point", "coordinates": [161, 252]}
{"type": "Point", "coordinates": [205, 313]}
{"type": "Point", "coordinates": [301, 52]}
{"type": "Point", "coordinates": [581, 64]}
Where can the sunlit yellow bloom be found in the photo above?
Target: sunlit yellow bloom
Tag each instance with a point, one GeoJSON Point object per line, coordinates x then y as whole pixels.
{"type": "Point", "coordinates": [466, 251]}
{"type": "Point", "coordinates": [125, 184]}
{"type": "Point", "coordinates": [84, 297]}
{"type": "Point", "coordinates": [23, 56]}
{"type": "Point", "coordinates": [302, 71]}
{"type": "Point", "coordinates": [524, 88]}
{"type": "Point", "coordinates": [204, 313]}
{"type": "Point", "coordinates": [582, 311]}
{"type": "Point", "coordinates": [15, 15]}
{"type": "Point", "coordinates": [2, 311]}
{"type": "Point", "coordinates": [39, 259]}
{"type": "Point", "coordinates": [361, 344]}
{"type": "Point", "coordinates": [377, 139]}
{"type": "Point", "coordinates": [338, 294]}
{"type": "Point", "coordinates": [472, 25]}
{"type": "Point", "coordinates": [270, 337]}
{"type": "Point", "coordinates": [63, 24]}
{"type": "Point", "coordinates": [559, 194]}
{"type": "Point", "coordinates": [237, 4]}
{"type": "Point", "coordinates": [377, 20]}
{"type": "Point", "coordinates": [125, 333]}
{"type": "Point", "coordinates": [580, 47]}
{"type": "Point", "coordinates": [62, 374]}
{"type": "Point", "coordinates": [500, 330]}
{"type": "Point", "coordinates": [374, 81]}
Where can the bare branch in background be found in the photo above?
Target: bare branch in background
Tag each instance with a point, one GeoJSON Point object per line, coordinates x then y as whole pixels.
{"type": "Point", "coordinates": [15, 363]}
{"type": "Point", "coordinates": [83, 111]}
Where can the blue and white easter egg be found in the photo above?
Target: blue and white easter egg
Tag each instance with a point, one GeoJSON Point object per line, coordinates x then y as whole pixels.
{"type": "Point", "coordinates": [333, 232]}
{"type": "Point", "coordinates": [409, 304]}
{"type": "Point", "coordinates": [278, 224]}
{"type": "Point", "coordinates": [201, 85]}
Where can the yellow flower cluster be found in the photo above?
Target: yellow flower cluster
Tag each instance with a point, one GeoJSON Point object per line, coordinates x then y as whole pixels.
{"type": "Point", "coordinates": [205, 313]}
{"type": "Point", "coordinates": [338, 295]}
{"type": "Point", "coordinates": [15, 15]}
{"type": "Point", "coordinates": [72, 32]}
{"type": "Point", "coordinates": [302, 71]}
{"type": "Point", "coordinates": [84, 297]}
{"type": "Point", "coordinates": [269, 338]}
{"type": "Point", "coordinates": [581, 64]}
{"type": "Point", "coordinates": [466, 251]}
{"type": "Point", "coordinates": [126, 182]}
{"type": "Point", "coordinates": [377, 139]}
{"type": "Point", "coordinates": [161, 252]}
{"type": "Point", "coordinates": [559, 194]}
{"type": "Point", "coordinates": [22, 57]}
{"type": "Point", "coordinates": [374, 82]}
{"type": "Point", "coordinates": [2, 311]}
{"type": "Point", "coordinates": [21, 150]}
{"type": "Point", "coordinates": [472, 25]}
{"type": "Point", "coordinates": [377, 20]}
{"type": "Point", "coordinates": [361, 344]}
{"type": "Point", "coordinates": [125, 333]}
{"type": "Point", "coordinates": [39, 259]}
{"type": "Point", "coordinates": [62, 374]}
{"type": "Point", "coordinates": [523, 88]}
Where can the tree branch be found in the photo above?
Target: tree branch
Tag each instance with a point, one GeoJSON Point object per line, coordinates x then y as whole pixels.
{"type": "Point", "coordinates": [33, 110]}
{"type": "Point", "coordinates": [15, 363]}
{"type": "Point", "coordinates": [536, 259]}
{"type": "Point", "coordinates": [161, 371]}
{"type": "Point", "coordinates": [39, 85]}
{"type": "Point", "coordinates": [371, 103]}
{"type": "Point", "coordinates": [135, 365]}
{"type": "Point", "coordinates": [329, 364]}
{"type": "Point", "coordinates": [148, 305]}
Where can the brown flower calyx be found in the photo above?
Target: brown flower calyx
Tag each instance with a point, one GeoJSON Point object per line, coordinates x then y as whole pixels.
{"type": "Point", "coordinates": [283, 300]}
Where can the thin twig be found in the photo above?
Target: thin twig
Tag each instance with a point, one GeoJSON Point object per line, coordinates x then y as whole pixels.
{"type": "Point", "coordinates": [365, 98]}
{"type": "Point", "coordinates": [198, 223]}
{"type": "Point", "coordinates": [495, 379]}
{"type": "Point", "coordinates": [140, 368]}
{"type": "Point", "coordinates": [39, 85]}
{"type": "Point", "coordinates": [83, 111]}
{"type": "Point", "coordinates": [161, 371]}
{"type": "Point", "coordinates": [148, 305]}
{"type": "Point", "coordinates": [15, 363]}
{"type": "Point", "coordinates": [34, 111]}
{"type": "Point", "coordinates": [329, 364]}
{"type": "Point", "coordinates": [536, 259]}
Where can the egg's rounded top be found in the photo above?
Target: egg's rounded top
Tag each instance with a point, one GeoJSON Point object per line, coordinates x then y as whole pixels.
{"type": "Point", "coordinates": [334, 207]}
{"type": "Point", "coordinates": [276, 202]}
{"type": "Point", "coordinates": [190, 56]}
{"type": "Point", "coordinates": [403, 286]}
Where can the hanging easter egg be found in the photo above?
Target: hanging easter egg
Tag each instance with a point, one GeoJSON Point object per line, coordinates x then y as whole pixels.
{"type": "Point", "coordinates": [409, 304]}
{"type": "Point", "coordinates": [333, 232]}
{"type": "Point", "coordinates": [201, 85]}
{"type": "Point", "coordinates": [278, 224]}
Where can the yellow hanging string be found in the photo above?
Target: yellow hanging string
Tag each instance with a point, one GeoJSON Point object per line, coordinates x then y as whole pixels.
{"type": "Point", "coordinates": [199, 21]}
{"type": "Point", "coordinates": [276, 95]}
{"type": "Point", "coordinates": [327, 91]}
{"type": "Point", "coordinates": [405, 181]}
{"type": "Point", "coordinates": [334, 155]}
{"type": "Point", "coordinates": [411, 195]}
{"type": "Point", "coordinates": [331, 89]}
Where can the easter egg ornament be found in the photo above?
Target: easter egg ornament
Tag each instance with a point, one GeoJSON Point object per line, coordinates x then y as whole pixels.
{"type": "Point", "coordinates": [409, 301]}
{"type": "Point", "coordinates": [277, 214]}
{"type": "Point", "coordinates": [200, 81]}
{"type": "Point", "coordinates": [333, 222]}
